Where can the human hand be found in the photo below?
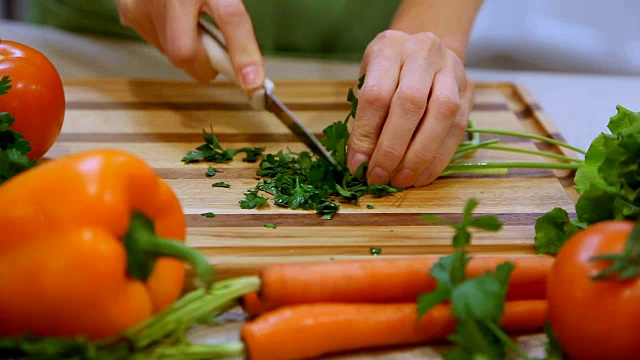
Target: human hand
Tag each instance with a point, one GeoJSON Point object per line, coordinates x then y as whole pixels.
{"type": "Point", "coordinates": [172, 27]}
{"type": "Point", "coordinates": [412, 109]}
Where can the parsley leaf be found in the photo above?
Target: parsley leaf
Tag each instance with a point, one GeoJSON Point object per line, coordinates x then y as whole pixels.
{"type": "Point", "coordinates": [211, 171]}
{"type": "Point", "coordinates": [253, 200]}
{"type": "Point", "coordinates": [212, 151]}
{"type": "Point", "coordinates": [5, 85]}
{"type": "Point", "coordinates": [209, 214]}
{"type": "Point", "coordinates": [221, 184]}
{"type": "Point", "coordinates": [477, 303]}
{"type": "Point", "coordinates": [462, 235]}
{"type": "Point", "coordinates": [270, 225]}
{"type": "Point", "coordinates": [13, 146]}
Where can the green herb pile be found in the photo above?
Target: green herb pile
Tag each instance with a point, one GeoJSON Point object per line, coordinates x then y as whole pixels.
{"type": "Point", "coordinates": [302, 181]}
{"type": "Point", "coordinates": [608, 182]}
{"type": "Point", "coordinates": [13, 146]}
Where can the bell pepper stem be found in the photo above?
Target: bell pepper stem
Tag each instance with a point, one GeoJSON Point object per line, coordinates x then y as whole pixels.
{"type": "Point", "coordinates": [144, 247]}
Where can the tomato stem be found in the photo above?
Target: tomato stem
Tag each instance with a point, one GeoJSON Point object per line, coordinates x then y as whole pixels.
{"type": "Point", "coordinates": [144, 247]}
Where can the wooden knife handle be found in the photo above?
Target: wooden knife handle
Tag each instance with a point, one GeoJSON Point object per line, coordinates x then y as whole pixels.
{"type": "Point", "coordinates": [215, 46]}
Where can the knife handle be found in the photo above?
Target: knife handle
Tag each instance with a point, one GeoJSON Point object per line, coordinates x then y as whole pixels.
{"type": "Point", "coordinates": [215, 46]}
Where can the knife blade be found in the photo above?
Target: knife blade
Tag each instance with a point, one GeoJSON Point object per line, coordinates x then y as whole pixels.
{"type": "Point", "coordinates": [262, 99]}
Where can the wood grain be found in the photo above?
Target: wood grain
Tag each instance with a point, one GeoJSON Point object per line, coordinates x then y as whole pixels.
{"type": "Point", "coordinates": [160, 121]}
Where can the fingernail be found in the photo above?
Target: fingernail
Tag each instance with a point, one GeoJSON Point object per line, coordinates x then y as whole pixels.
{"type": "Point", "coordinates": [423, 178]}
{"type": "Point", "coordinates": [378, 176]}
{"type": "Point", "coordinates": [356, 160]}
{"type": "Point", "coordinates": [249, 76]}
{"type": "Point", "coordinates": [403, 178]}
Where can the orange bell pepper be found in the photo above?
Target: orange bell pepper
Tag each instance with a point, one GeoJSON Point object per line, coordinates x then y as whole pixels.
{"type": "Point", "coordinates": [84, 249]}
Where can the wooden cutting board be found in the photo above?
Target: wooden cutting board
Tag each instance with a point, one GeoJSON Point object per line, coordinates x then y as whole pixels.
{"type": "Point", "coordinates": [161, 121]}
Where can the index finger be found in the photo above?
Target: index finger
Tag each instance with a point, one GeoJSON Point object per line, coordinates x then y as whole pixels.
{"type": "Point", "coordinates": [236, 26]}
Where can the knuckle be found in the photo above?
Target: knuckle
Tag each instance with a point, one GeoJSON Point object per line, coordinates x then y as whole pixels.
{"type": "Point", "coordinates": [427, 41]}
{"type": "Point", "coordinates": [423, 156]}
{"type": "Point", "coordinates": [180, 54]}
{"type": "Point", "coordinates": [231, 12]}
{"type": "Point", "coordinates": [382, 41]}
{"type": "Point", "coordinates": [375, 97]}
{"type": "Point", "coordinates": [125, 10]}
{"type": "Point", "coordinates": [459, 126]}
{"type": "Point", "coordinates": [446, 106]}
{"type": "Point", "coordinates": [387, 35]}
{"type": "Point", "coordinates": [362, 139]}
{"type": "Point", "coordinates": [412, 99]}
{"type": "Point", "coordinates": [389, 152]}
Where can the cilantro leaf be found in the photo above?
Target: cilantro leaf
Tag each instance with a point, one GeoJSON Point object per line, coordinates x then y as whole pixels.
{"type": "Point", "coordinates": [209, 214]}
{"type": "Point", "coordinates": [221, 184]}
{"type": "Point", "coordinates": [211, 171]}
{"type": "Point", "coordinates": [270, 225]}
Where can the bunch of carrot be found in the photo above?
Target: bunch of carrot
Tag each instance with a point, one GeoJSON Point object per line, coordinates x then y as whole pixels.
{"type": "Point", "coordinates": [306, 310]}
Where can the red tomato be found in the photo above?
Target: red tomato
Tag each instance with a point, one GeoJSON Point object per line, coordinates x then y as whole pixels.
{"type": "Point", "coordinates": [594, 319]}
{"type": "Point", "coordinates": [36, 98]}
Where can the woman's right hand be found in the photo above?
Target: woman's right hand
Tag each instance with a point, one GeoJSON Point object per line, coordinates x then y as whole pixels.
{"type": "Point", "coordinates": [172, 27]}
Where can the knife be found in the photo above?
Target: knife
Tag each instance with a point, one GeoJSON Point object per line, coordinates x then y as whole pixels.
{"type": "Point", "coordinates": [261, 99]}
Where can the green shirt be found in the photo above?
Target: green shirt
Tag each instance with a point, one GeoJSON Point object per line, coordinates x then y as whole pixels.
{"type": "Point", "coordinates": [337, 29]}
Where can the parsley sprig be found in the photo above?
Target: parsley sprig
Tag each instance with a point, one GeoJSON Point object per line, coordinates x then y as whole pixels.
{"type": "Point", "coordinates": [212, 151]}
{"type": "Point", "coordinates": [13, 146]}
{"type": "Point", "coordinates": [477, 303]}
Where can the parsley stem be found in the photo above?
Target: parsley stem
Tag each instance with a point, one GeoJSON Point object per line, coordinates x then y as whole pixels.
{"type": "Point", "coordinates": [497, 171]}
{"type": "Point", "coordinates": [510, 164]}
{"type": "Point", "coordinates": [464, 149]}
{"type": "Point", "coordinates": [506, 340]}
{"type": "Point", "coordinates": [528, 136]}
{"type": "Point", "coordinates": [533, 152]}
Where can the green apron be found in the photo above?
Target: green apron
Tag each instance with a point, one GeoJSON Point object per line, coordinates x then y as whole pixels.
{"type": "Point", "coordinates": [333, 29]}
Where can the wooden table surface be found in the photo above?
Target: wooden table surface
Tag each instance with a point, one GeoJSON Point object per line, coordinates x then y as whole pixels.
{"type": "Point", "coordinates": [161, 121]}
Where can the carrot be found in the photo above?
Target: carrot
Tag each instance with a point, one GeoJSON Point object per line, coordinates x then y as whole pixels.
{"type": "Point", "coordinates": [310, 330]}
{"type": "Point", "coordinates": [382, 280]}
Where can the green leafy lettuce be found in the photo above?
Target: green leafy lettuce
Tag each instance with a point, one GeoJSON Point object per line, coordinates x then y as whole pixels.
{"type": "Point", "coordinates": [608, 182]}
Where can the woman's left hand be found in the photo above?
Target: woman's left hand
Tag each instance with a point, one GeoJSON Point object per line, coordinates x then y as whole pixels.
{"type": "Point", "coordinates": [412, 110]}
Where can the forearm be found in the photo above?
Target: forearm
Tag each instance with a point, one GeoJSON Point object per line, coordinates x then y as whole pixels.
{"type": "Point", "coordinates": [451, 20]}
